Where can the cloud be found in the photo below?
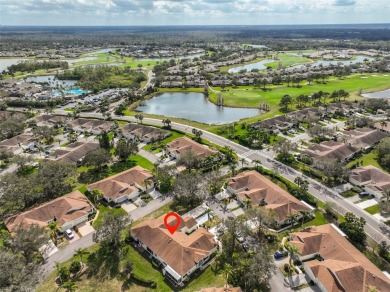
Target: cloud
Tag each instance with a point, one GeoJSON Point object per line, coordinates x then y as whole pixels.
{"type": "Point", "coordinates": [177, 12]}
{"type": "Point", "coordinates": [345, 2]}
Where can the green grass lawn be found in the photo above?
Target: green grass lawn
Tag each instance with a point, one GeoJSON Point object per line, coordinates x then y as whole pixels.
{"type": "Point", "coordinates": [369, 158]}
{"type": "Point", "coordinates": [247, 96]}
{"type": "Point", "coordinates": [318, 220]}
{"type": "Point", "coordinates": [289, 60]}
{"type": "Point", "coordinates": [103, 210]}
{"type": "Point", "coordinates": [372, 209]}
{"type": "Point", "coordinates": [174, 135]}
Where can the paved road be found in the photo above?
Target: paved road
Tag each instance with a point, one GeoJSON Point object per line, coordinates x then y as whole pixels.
{"type": "Point", "coordinates": [324, 194]}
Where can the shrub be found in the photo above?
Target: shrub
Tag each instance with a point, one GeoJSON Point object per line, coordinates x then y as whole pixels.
{"type": "Point", "coordinates": [139, 280]}
{"type": "Point", "coordinates": [75, 267]}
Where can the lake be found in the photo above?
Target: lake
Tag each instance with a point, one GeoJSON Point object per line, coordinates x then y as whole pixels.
{"type": "Point", "coordinates": [258, 65]}
{"type": "Point", "coordinates": [378, 94]}
{"type": "Point", "coordinates": [194, 106]}
{"type": "Point", "coordinates": [52, 80]}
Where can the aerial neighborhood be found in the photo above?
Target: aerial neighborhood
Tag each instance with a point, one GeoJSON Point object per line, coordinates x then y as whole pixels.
{"type": "Point", "coordinates": [202, 159]}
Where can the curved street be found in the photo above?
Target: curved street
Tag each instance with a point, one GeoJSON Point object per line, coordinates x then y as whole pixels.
{"type": "Point", "coordinates": [320, 191]}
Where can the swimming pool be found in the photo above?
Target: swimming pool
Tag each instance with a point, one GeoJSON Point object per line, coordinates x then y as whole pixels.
{"type": "Point", "coordinates": [71, 91]}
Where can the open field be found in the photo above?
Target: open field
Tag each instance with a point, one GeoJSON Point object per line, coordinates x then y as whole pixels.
{"type": "Point", "coordinates": [289, 60]}
{"type": "Point", "coordinates": [369, 158]}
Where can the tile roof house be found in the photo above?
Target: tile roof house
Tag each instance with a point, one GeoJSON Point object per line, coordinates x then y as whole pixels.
{"type": "Point", "coordinates": [68, 210]}
{"type": "Point", "coordinates": [221, 289]}
{"type": "Point", "coordinates": [333, 263]}
{"type": "Point", "coordinates": [275, 124]}
{"type": "Point", "coordinates": [95, 127]}
{"type": "Point", "coordinates": [19, 143]}
{"type": "Point", "coordinates": [125, 185]}
{"type": "Point", "coordinates": [50, 120]}
{"type": "Point", "coordinates": [331, 149]}
{"type": "Point", "coordinates": [137, 132]}
{"type": "Point", "coordinates": [179, 254]}
{"type": "Point", "coordinates": [73, 153]}
{"type": "Point", "coordinates": [374, 180]}
{"type": "Point", "coordinates": [251, 185]}
{"type": "Point", "coordinates": [364, 138]}
{"type": "Point", "coordinates": [177, 147]}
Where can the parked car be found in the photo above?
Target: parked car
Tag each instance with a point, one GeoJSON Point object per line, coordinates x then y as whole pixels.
{"type": "Point", "coordinates": [279, 254]}
{"type": "Point", "coordinates": [69, 234]}
{"type": "Point", "coordinates": [245, 246]}
{"type": "Point", "coordinates": [363, 194]}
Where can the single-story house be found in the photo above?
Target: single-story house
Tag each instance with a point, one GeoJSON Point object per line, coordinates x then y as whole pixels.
{"type": "Point", "coordinates": [73, 153]}
{"type": "Point", "coordinates": [331, 149]}
{"type": "Point", "coordinates": [68, 211]}
{"type": "Point", "coordinates": [179, 254]}
{"type": "Point", "coordinates": [96, 127]}
{"type": "Point", "coordinates": [125, 185]}
{"type": "Point", "coordinates": [364, 138]}
{"type": "Point", "coordinates": [333, 263]}
{"type": "Point", "coordinates": [374, 180]}
{"type": "Point", "coordinates": [147, 134]}
{"type": "Point", "coordinates": [19, 143]}
{"type": "Point", "coordinates": [50, 120]}
{"type": "Point", "coordinates": [178, 147]}
{"type": "Point", "coordinates": [260, 191]}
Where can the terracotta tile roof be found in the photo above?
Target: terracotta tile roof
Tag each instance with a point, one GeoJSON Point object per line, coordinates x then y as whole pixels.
{"type": "Point", "coordinates": [143, 131]}
{"type": "Point", "coordinates": [66, 208]}
{"type": "Point", "coordinates": [73, 152]}
{"type": "Point", "coordinates": [50, 119]}
{"type": "Point", "coordinates": [184, 144]}
{"type": "Point", "coordinates": [89, 124]}
{"type": "Point", "coordinates": [179, 250]}
{"type": "Point", "coordinates": [344, 267]}
{"type": "Point", "coordinates": [23, 139]}
{"type": "Point", "coordinates": [364, 137]}
{"type": "Point", "coordinates": [255, 187]}
{"type": "Point", "coordinates": [122, 183]}
{"type": "Point", "coordinates": [378, 180]}
{"type": "Point", "coordinates": [330, 149]}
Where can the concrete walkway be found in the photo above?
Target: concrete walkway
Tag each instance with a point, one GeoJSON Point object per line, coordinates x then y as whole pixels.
{"type": "Point", "coordinates": [367, 203]}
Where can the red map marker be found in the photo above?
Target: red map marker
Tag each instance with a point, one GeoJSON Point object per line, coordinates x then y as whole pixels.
{"type": "Point", "coordinates": [172, 228]}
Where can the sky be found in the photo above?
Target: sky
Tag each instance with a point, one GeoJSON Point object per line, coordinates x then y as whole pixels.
{"type": "Point", "coordinates": [192, 12]}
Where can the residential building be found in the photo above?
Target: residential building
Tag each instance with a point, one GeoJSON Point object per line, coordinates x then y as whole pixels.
{"type": "Point", "coordinates": [50, 120]}
{"type": "Point", "coordinates": [68, 211]}
{"type": "Point", "coordinates": [19, 143]}
{"type": "Point", "coordinates": [178, 147]}
{"type": "Point", "coordinates": [363, 138]}
{"type": "Point", "coordinates": [275, 124]}
{"type": "Point", "coordinates": [331, 149]}
{"type": "Point", "coordinates": [333, 263]}
{"type": "Point", "coordinates": [125, 185]}
{"type": "Point", "coordinates": [260, 191]}
{"type": "Point", "coordinates": [95, 127]}
{"type": "Point", "coordinates": [374, 180]}
{"type": "Point", "coordinates": [221, 289]}
{"type": "Point", "coordinates": [179, 254]}
{"type": "Point", "coordinates": [147, 134]}
{"type": "Point", "coordinates": [73, 153]}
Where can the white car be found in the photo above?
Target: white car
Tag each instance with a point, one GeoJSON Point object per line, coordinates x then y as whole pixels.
{"type": "Point", "coordinates": [69, 234]}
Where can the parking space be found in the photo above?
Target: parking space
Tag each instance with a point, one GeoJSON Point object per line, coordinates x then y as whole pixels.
{"type": "Point", "coordinates": [85, 228]}
{"type": "Point", "coordinates": [128, 207]}
{"type": "Point", "coordinates": [367, 203]}
{"type": "Point", "coordinates": [75, 237]}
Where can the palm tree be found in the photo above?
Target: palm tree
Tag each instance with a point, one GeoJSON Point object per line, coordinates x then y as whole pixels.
{"type": "Point", "coordinates": [53, 227]}
{"type": "Point", "coordinates": [80, 252]}
{"type": "Point", "coordinates": [298, 181]}
{"type": "Point", "coordinates": [70, 286]}
{"type": "Point", "coordinates": [386, 195]}
{"type": "Point", "coordinates": [257, 163]}
{"type": "Point", "coordinates": [304, 215]}
{"type": "Point", "coordinates": [383, 124]}
{"type": "Point", "coordinates": [233, 166]}
{"type": "Point", "coordinates": [243, 161]}
{"type": "Point", "coordinates": [292, 250]}
{"type": "Point", "coordinates": [247, 203]}
{"type": "Point", "coordinates": [292, 217]}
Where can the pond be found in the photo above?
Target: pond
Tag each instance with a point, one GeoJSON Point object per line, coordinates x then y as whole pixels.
{"type": "Point", "coordinates": [258, 65]}
{"type": "Point", "coordinates": [6, 62]}
{"type": "Point", "coordinates": [194, 106]}
{"type": "Point", "coordinates": [52, 80]}
{"type": "Point", "coordinates": [170, 58]}
{"type": "Point", "coordinates": [378, 94]}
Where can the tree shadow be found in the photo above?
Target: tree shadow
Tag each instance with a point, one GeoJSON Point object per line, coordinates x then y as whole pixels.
{"type": "Point", "coordinates": [104, 263]}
